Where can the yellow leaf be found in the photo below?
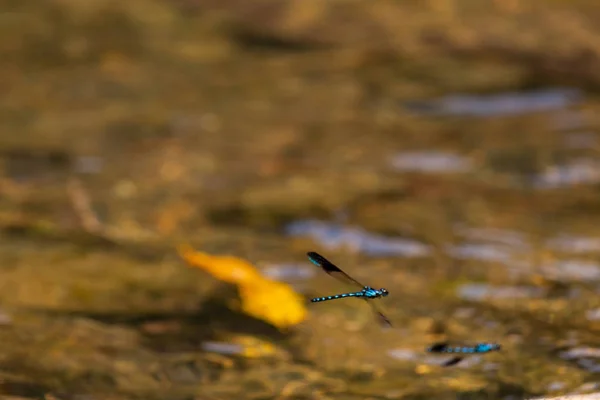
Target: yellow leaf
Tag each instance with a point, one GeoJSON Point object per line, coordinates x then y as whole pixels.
{"type": "Point", "coordinates": [226, 268]}
{"type": "Point", "coordinates": [273, 302]}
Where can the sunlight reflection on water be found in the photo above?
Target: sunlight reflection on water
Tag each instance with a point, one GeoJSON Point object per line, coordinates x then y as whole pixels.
{"type": "Point", "coordinates": [502, 104]}
{"type": "Point", "coordinates": [485, 245]}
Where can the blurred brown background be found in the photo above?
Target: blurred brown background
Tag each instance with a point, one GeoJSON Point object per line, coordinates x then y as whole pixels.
{"type": "Point", "coordinates": [444, 149]}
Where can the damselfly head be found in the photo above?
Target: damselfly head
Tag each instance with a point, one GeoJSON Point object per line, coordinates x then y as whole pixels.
{"type": "Point", "coordinates": [384, 292]}
{"type": "Point", "coordinates": [485, 347]}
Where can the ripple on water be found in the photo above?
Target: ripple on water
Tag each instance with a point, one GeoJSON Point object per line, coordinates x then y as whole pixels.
{"type": "Point", "coordinates": [588, 387]}
{"type": "Point", "coordinates": [223, 348]}
{"type": "Point", "coordinates": [502, 104]}
{"type": "Point", "coordinates": [589, 365]}
{"type": "Point", "coordinates": [581, 140]}
{"type": "Point", "coordinates": [569, 120]}
{"type": "Point", "coordinates": [495, 235]}
{"type": "Point", "coordinates": [403, 354]}
{"type": "Point", "coordinates": [480, 252]}
{"type": "Point", "coordinates": [333, 236]}
{"type": "Point", "coordinates": [580, 352]}
{"type": "Point", "coordinates": [576, 172]}
{"type": "Point", "coordinates": [593, 315]}
{"type": "Point", "coordinates": [481, 291]}
{"type": "Point", "coordinates": [574, 244]}
{"type": "Point", "coordinates": [507, 248]}
{"type": "Point", "coordinates": [555, 386]}
{"type": "Point", "coordinates": [88, 164]}
{"type": "Point", "coordinates": [518, 240]}
{"type": "Point", "coordinates": [572, 270]}
{"type": "Point", "coordinates": [430, 162]}
{"type": "Point", "coordinates": [585, 357]}
{"type": "Point", "coordinates": [288, 272]}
